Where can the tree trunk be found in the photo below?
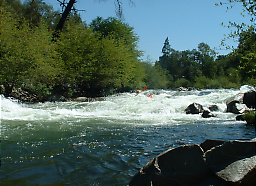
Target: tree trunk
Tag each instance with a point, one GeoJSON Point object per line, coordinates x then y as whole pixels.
{"type": "Point", "coordinates": [64, 16]}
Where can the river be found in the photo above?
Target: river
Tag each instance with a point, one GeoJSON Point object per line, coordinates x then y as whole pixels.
{"type": "Point", "coordinates": [106, 142]}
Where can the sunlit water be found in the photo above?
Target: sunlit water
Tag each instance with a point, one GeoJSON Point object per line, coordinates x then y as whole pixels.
{"type": "Point", "coordinates": [105, 142]}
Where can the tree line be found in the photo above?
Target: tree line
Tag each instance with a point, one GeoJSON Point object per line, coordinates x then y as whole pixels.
{"type": "Point", "coordinates": [102, 57]}
{"type": "Point", "coordinates": [202, 68]}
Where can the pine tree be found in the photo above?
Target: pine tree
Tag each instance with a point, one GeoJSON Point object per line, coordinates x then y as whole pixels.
{"type": "Point", "coordinates": [166, 50]}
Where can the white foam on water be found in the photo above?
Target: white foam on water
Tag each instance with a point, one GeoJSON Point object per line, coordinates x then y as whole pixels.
{"type": "Point", "coordinates": [166, 106]}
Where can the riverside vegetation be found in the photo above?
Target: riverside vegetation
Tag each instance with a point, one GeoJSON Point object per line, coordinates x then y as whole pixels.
{"type": "Point", "coordinates": [102, 57]}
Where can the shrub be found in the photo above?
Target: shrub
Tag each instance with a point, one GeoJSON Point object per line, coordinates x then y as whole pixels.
{"type": "Point", "coordinates": [249, 117]}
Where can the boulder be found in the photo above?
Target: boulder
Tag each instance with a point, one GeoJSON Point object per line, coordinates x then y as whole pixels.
{"type": "Point", "coordinates": [207, 114]}
{"type": "Point", "coordinates": [194, 108]}
{"type": "Point", "coordinates": [238, 98]}
{"type": "Point", "coordinates": [234, 162]}
{"type": "Point", "coordinates": [236, 107]}
{"type": "Point", "coordinates": [179, 166]}
{"type": "Point", "coordinates": [214, 162]}
{"type": "Point", "coordinates": [249, 99]}
{"type": "Point", "coordinates": [208, 144]}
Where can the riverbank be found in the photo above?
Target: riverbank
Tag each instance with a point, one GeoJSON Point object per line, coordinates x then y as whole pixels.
{"type": "Point", "coordinates": [25, 96]}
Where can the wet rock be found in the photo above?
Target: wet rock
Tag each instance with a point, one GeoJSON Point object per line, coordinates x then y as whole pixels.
{"type": "Point", "coordinates": [241, 102]}
{"type": "Point", "coordinates": [207, 114]}
{"type": "Point", "coordinates": [249, 99]}
{"type": "Point", "coordinates": [236, 107]}
{"type": "Point", "coordinates": [238, 98]}
{"type": "Point", "coordinates": [194, 108]}
{"type": "Point", "coordinates": [234, 162]}
{"type": "Point", "coordinates": [182, 89]}
{"type": "Point", "coordinates": [214, 108]}
{"type": "Point", "coordinates": [208, 144]}
{"type": "Point", "coordinates": [81, 99]}
{"type": "Point", "coordinates": [240, 117]}
{"type": "Point", "coordinates": [86, 99]}
{"type": "Point", "coordinates": [214, 162]}
{"type": "Point", "coordinates": [179, 166]}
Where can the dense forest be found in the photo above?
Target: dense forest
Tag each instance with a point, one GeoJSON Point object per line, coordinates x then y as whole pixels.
{"type": "Point", "coordinates": [102, 57]}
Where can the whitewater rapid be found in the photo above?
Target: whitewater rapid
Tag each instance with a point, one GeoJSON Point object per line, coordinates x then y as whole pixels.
{"type": "Point", "coordinates": [165, 107]}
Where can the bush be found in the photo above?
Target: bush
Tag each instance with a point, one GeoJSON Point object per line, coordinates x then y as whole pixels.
{"type": "Point", "coordinates": [249, 117]}
{"type": "Point", "coordinates": [182, 83]}
{"type": "Point", "coordinates": [220, 82]}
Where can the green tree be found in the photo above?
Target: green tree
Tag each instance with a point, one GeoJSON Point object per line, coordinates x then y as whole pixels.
{"type": "Point", "coordinates": [156, 77]}
{"type": "Point", "coordinates": [121, 32]}
{"type": "Point", "coordinates": [246, 55]}
{"type": "Point", "coordinates": [206, 60]}
{"type": "Point", "coordinates": [166, 50]}
{"type": "Point", "coordinates": [98, 64]}
{"type": "Point", "coordinates": [28, 58]}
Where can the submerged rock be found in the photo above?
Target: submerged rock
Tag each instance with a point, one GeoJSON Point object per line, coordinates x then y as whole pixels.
{"type": "Point", "coordinates": [214, 162]}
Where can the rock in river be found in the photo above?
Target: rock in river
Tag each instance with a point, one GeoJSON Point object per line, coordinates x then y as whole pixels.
{"type": "Point", "coordinates": [194, 108]}
{"type": "Point", "coordinates": [213, 162]}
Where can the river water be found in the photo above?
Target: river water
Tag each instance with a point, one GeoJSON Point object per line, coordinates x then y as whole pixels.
{"type": "Point", "coordinates": [106, 142]}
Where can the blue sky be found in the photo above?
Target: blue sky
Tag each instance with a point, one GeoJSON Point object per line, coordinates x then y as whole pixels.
{"type": "Point", "coordinates": [187, 23]}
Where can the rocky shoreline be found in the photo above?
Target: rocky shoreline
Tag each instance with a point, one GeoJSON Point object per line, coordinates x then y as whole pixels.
{"type": "Point", "coordinates": [27, 97]}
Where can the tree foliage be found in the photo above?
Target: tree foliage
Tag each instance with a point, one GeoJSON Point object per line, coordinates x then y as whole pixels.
{"type": "Point", "coordinates": [245, 54]}
{"type": "Point", "coordinates": [83, 61]}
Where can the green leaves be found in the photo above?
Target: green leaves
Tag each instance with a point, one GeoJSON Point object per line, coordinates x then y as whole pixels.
{"type": "Point", "coordinates": [101, 57]}
{"type": "Point", "coordinates": [88, 61]}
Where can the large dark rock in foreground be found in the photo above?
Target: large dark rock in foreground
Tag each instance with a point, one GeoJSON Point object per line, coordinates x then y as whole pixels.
{"type": "Point", "coordinates": [211, 163]}
{"type": "Point", "coordinates": [234, 162]}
